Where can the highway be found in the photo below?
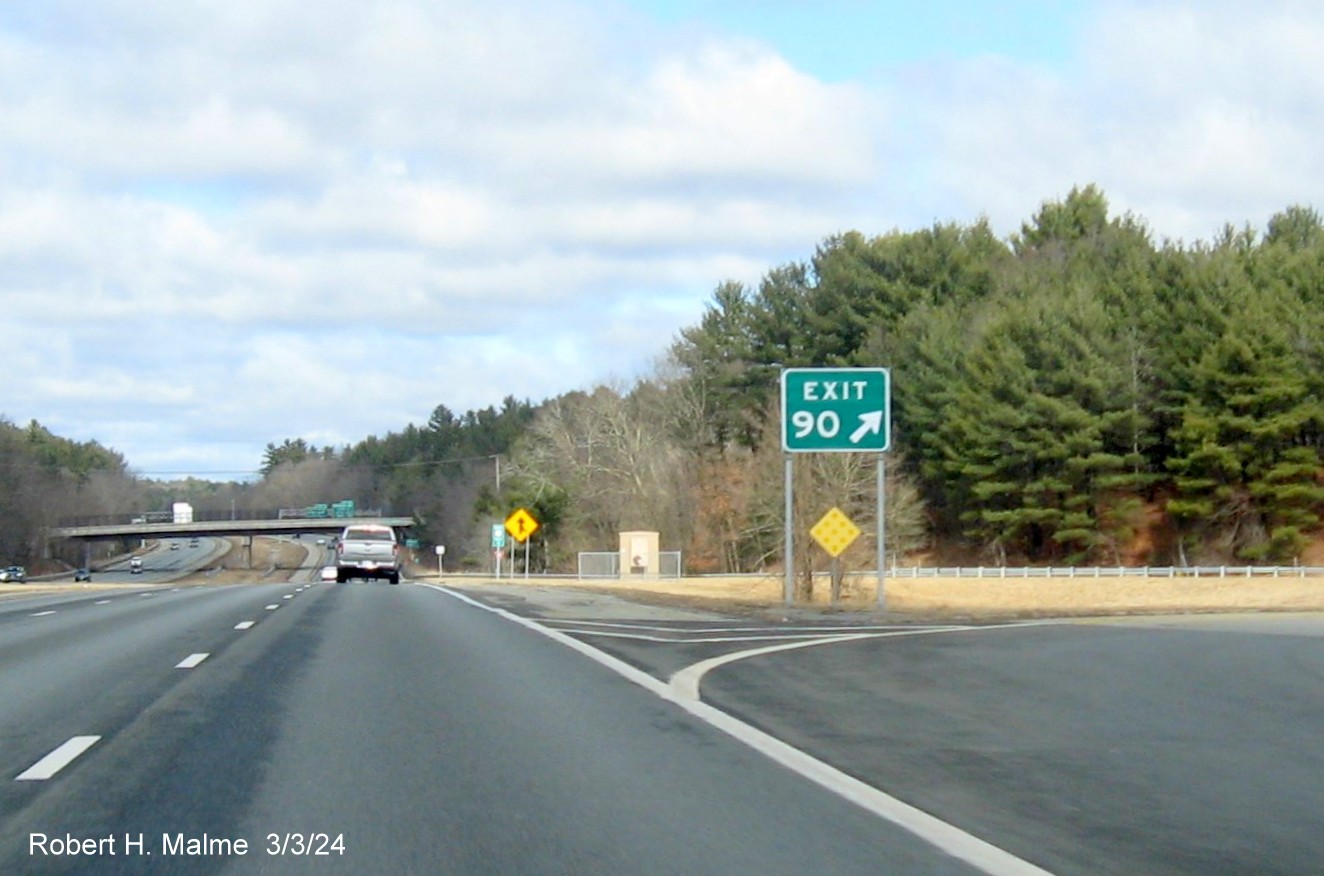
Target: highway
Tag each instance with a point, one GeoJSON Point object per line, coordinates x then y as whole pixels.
{"type": "Point", "coordinates": [171, 559]}
{"type": "Point", "coordinates": [162, 563]}
{"type": "Point", "coordinates": [416, 729]}
{"type": "Point", "coordinates": [400, 729]}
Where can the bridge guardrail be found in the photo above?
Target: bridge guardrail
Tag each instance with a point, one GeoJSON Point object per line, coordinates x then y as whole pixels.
{"type": "Point", "coordinates": [198, 517]}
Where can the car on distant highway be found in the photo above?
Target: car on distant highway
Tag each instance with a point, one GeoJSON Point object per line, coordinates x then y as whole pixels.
{"type": "Point", "coordinates": [174, 545]}
{"type": "Point", "coordinates": [13, 575]}
{"type": "Point", "coordinates": [83, 574]}
{"type": "Point", "coordinates": [135, 565]}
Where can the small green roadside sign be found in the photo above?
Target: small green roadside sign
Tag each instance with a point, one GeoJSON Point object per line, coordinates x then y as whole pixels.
{"type": "Point", "coordinates": [836, 410]}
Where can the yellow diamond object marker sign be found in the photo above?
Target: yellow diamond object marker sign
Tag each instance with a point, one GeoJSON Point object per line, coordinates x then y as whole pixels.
{"type": "Point", "coordinates": [521, 525]}
{"type": "Point", "coordinates": [835, 532]}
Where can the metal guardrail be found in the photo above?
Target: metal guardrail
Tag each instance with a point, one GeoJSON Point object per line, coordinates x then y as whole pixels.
{"type": "Point", "coordinates": [198, 516]}
{"type": "Point", "coordinates": [1059, 572]}
{"type": "Point", "coordinates": [988, 572]}
{"type": "Point", "coordinates": [1103, 571]}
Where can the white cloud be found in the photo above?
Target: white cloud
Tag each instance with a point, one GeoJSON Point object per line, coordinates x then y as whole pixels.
{"type": "Point", "coordinates": [224, 224]}
{"type": "Point", "coordinates": [722, 115]}
{"type": "Point", "coordinates": [1188, 114]}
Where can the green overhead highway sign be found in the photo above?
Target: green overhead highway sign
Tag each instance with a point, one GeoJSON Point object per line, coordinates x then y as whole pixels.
{"type": "Point", "coordinates": [836, 410]}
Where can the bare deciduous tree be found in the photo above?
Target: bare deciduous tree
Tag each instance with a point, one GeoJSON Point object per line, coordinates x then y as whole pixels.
{"type": "Point", "coordinates": [611, 454]}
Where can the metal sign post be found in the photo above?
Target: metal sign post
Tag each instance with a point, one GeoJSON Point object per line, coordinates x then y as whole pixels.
{"type": "Point", "coordinates": [498, 546]}
{"type": "Point", "coordinates": [521, 525]}
{"type": "Point", "coordinates": [835, 532]}
{"type": "Point", "coordinates": [835, 410]}
{"type": "Point", "coordinates": [789, 527]}
{"type": "Point", "coordinates": [882, 529]}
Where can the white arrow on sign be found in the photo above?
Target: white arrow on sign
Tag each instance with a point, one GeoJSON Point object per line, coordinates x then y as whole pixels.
{"type": "Point", "coordinates": [869, 422]}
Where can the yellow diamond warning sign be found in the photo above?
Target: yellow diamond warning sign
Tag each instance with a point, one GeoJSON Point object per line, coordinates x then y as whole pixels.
{"type": "Point", "coordinates": [521, 525]}
{"type": "Point", "coordinates": [835, 532]}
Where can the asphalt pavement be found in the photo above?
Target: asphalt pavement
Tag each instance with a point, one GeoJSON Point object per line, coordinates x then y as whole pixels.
{"type": "Point", "coordinates": [1158, 745]}
{"type": "Point", "coordinates": [365, 728]}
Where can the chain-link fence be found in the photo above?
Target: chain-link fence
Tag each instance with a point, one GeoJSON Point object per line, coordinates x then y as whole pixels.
{"type": "Point", "coordinates": [607, 564]}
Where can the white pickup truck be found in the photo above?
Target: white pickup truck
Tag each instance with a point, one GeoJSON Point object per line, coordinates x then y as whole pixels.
{"type": "Point", "coordinates": [368, 550]}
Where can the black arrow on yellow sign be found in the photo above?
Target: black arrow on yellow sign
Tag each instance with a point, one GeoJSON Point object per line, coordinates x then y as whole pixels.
{"type": "Point", "coordinates": [521, 525]}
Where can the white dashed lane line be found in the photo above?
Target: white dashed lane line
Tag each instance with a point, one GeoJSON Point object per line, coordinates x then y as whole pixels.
{"type": "Point", "coordinates": [65, 754]}
{"type": "Point", "coordinates": [191, 660]}
{"type": "Point", "coordinates": [57, 759]}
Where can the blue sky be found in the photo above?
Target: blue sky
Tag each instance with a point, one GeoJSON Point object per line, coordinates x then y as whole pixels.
{"type": "Point", "coordinates": [202, 203]}
{"type": "Point", "coordinates": [839, 40]}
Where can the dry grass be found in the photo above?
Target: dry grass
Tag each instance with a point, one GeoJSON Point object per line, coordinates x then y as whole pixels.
{"type": "Point", "coordinates": [982, 598]}
{"type": "Point", "coordinates": [1040, 597]}
{"type": "Point", "coordinates": [273, 560]}
{"type": "Point", "coordinates": [911, 598]}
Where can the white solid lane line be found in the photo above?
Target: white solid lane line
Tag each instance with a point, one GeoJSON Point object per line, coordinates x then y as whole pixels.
{"type": "Point", "coordinates": [57, 759]}
{"type": "Point", "coordinates": [685, 683]}
{"type": "Point", "coordinates": [699, 639]}
{"type": "Point", "coordinates": [821, 629]}
{"type": "Point", "coordinates": [244, 625]}
{"type": "Point", "coordinates": [191, 660]}
{"type": "Point", "coordinates": [951, 839]}
{"type": "Point", "coordinates": [41, 614]}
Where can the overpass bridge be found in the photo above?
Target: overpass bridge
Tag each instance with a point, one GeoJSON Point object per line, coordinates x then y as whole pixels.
{"type": "Point", "coordinates": [89, 531]}
{"type": "Point", "coordinates": [228, 526]}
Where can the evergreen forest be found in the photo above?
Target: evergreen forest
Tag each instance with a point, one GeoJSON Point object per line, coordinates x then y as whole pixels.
{"type": "Point", "coordinates": [1075, 393]}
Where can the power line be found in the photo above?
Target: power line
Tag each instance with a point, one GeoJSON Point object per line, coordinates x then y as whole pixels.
{"type": "Point", "coordinates": [343, 465]}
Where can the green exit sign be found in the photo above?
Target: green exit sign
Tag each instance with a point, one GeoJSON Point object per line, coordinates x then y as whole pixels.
{"type": "Point", "coordinates": [836, 410]}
